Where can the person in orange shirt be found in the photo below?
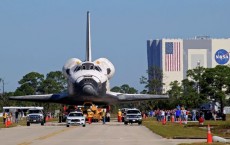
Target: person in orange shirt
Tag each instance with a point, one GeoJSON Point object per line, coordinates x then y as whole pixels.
{"type": "Point", "coordinates": [119, 115]}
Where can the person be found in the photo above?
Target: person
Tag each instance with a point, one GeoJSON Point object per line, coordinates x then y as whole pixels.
{"type": "Point", "coordinates": [16, 116]}
{"type": "Point", "coordinates": [193, 115]}
{"type": "Point", "coordinates": [4, 117]}
{"type": "Point", "coordinates": [214, 115]}
{"type": "Point", "coordinates": [201, 120]}
{"type": "Point", "coordinates": [103, 116]}
{"type": "Point", "coordinates": [60, 116]}
{"type": "Point", "coordinates": [224, 115]}
{"type": "Point", "coordinates": [119, 115]}
{"type": "Point", "coordinates": [178, 114]}
{"type": "Point", "coordinates": [90, 115]}
{"type": "Point", "coordinates": [108, 117]}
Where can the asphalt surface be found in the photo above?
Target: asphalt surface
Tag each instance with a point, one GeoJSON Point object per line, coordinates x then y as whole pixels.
{"type": "Point", "coordinates": [112, 133]}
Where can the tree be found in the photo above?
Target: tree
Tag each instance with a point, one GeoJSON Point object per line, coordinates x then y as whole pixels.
{"type": "Point", "coordinates": [216, 83]}
{"type": "Point", "coordinates": [124, 89]}
{"type": "Point", "coordinates": [55, 82]}
{"type": "Point", "coordinates": [30, 83]}
{"type": "Point", "coordinates": [175, 93]}
{"type": "Point", "coordinates": [154, 84]}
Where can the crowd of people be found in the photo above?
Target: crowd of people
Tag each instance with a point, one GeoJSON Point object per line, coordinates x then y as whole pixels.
{"type": "Point", "coordinates": [180, 113]}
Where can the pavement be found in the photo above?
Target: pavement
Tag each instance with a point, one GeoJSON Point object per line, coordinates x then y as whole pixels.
{"type": "Point", "coordinates": [112, 133]}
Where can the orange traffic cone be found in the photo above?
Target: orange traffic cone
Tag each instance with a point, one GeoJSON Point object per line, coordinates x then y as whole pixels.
{"type": "Point", "coordinates": [47, 118]}
{"type": "Point", "coordinates": [8, 122]}
{"type": "Point", "coordinates": [164, 121]}
{"type": "Point", "coordinates": [172, 118]}
{"type": "Point", "coordinates": [209, 135]}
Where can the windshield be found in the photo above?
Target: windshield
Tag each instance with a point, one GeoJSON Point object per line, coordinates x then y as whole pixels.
{"type": "Point", "coordinates": [75, 114]}
{"type": "Point", "coordinates": [34, 111]}
{"type": "Point", "coordinates": [133, 111]}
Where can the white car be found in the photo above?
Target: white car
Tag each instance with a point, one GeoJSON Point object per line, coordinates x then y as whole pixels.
{"type": "Point", "coordinates": [75, 118]}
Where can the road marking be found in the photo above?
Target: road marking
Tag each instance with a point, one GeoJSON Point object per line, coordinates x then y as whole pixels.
{"type": "Point", "coordinates": [25, 143]}
{"type": "Point", "coordinates": [46, 136]}
{"type": "Point", "coordinates": [52, 134]}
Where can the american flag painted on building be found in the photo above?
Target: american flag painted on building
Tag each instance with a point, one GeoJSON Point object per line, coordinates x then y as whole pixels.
{"type": "Point", "coordinates": [172, 56]}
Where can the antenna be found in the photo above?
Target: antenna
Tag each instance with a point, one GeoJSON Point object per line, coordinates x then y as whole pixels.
{"type": "Point", "coordinates": [88, 39]}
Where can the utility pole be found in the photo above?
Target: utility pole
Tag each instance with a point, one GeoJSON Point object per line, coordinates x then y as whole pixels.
{"type": "Point", "coordinates": [198, 81]}
{"type": "Point", "coordinates": [3, 84]}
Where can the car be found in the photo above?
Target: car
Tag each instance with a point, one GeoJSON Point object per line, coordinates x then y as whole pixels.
{"type": "Point", "coordinates": [35, 115]}
{"type": "Point", "coordinates": [133, 116]}
{"type": "Point", "coordinates": [75, 118]}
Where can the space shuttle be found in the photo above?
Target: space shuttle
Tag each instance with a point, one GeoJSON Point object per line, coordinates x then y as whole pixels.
{"type": "Point", "coordinates": [88, 81]}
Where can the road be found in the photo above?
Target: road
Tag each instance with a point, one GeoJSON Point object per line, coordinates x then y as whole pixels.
{"type": "Point", "coordinates": [112, 133]}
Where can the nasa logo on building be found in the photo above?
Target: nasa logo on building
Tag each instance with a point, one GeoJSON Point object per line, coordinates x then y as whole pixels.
{"type": "Point", "coordinates": [222, 56]}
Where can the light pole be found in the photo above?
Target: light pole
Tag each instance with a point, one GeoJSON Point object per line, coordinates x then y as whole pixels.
{"type": "Point", "coordinates": [3, 84]}
{"type": "Point", "coordinates": [198, 81]}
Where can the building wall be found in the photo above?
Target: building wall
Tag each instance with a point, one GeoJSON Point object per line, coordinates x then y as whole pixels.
{"type": "Point", "coordinates": [220, 52]}
{"type": "Point", "coordinates": [193, 52]}
{"type": "Point", "coordinates": [196, 50]}
{"type": "Point", "coordinates": [170, 75]}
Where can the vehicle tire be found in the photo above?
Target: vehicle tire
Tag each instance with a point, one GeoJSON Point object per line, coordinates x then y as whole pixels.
{"type": "Point", "coordinates": [83, 125]}
{"type": "Point", "coordinates": [28, 124]}
{"type": "Point", "coordinates": [126, 123]}
{"type": "Point", "coordinates": [139, 123]}
{"type": "Point", "coordinates": [67, 125]}
{"type": "Point", "coordinates": [42, 124]}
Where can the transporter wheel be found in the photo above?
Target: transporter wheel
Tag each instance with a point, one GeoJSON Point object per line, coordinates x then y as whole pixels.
{"type": "Point", "coordinates": [83, 125]}
{"type": "Point", "coordinates": [28, 124]}
{"type": "Point", "coordinates": [126, 123]}
{"type": "Point", "coordinates": [42, 123]}
{"type": "Point", "coordinates": [139, 123]}
{"type": "Point", "coordinates": [67, 125]}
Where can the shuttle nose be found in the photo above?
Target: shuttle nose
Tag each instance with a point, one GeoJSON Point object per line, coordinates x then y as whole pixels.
{"type": "Point", "coordinates": [89, 90]}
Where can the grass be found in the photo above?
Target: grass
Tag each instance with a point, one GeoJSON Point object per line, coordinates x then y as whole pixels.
{"type": "Point", "coordinates": [191, 130]}
{"type": "Point", "coordinates": [174, 130]}
{"type": "Point", "coordinates": [200, 143]}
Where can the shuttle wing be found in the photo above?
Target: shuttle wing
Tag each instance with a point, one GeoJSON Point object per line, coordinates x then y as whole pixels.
{"type": "Point", "coordinates": [121, 97]}
{"type": "Point", "coordinates": [56, 98]}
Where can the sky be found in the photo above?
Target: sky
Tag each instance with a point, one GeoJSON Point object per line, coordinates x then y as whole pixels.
{"type": "Point", "coordinates": [41, 35]}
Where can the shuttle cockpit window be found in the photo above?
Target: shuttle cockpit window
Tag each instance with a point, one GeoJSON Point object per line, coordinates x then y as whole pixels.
{"type": "Point", "coordinates": [98, 68]}
{"type": "Point", "coordinates": [91, 67]}
{"type": "Point", "coordinates": [77, 68]}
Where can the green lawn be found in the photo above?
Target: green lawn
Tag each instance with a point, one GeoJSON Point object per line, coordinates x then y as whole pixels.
{"type": "Point", "coordinates": [191, 130]}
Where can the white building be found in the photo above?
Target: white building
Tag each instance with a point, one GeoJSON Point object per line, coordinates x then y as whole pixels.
{"type": "Point", "coordinates": [175, 56]}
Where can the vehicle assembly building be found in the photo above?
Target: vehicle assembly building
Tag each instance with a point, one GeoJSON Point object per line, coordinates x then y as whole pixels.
{"type": "Point", "coordinates": [175, 56]}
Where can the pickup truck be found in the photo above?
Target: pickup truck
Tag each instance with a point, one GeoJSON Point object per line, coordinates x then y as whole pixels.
{"type": "Point", "coordinates": [132, 116]}
{"type": "Point", "coordinates": [35, 116]}
{"type": "Point", "coordinates": [75, 118]}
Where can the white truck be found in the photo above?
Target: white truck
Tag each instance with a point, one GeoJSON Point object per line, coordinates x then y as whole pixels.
{"type": "Point", "coordinates": [75, 118]}
{"type": "Point", "coordinates": [35, 115]}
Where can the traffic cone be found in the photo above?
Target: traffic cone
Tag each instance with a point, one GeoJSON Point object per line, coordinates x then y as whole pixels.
{"type": "Point", "coordinates": [47, 118]}
{"type": "Point", "coordinates": [172, 118]}
{"type": "Point", "coordinates": [164, 121]}
{"type": "Point", "coordinates": [209, 135]}
{"type": "Point", "coordinates": [8, 122]}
